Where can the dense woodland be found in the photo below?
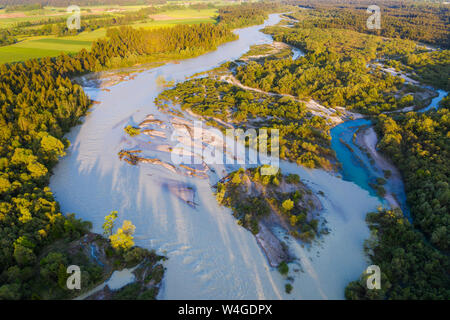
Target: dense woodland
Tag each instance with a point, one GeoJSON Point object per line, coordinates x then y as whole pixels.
{"type": "Point", "coordinates": [333, 71]}
{"type": "Point", "coordinates": [304, 139]}
{"type": "Point", "coordinates": [432, 67]}
{"type": "Point", "coordinates": [247, 14]}
{"type": "Point", "coordinates": [127, 42]}
{"type": "Point", "coordinates": [419, 21]}
{"type": "Point", "coordinates": [428, 66]}
{"type": "Point", "coordinates": [410, 267]}
{"type": "Point", "coordinates": [339, 68]}
{"type": "Point", "coordinates": [419, 145]}
{"type": "Point", "coordinates": [37, 107]}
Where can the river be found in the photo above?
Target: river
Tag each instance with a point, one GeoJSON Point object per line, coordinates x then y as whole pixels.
{"type": "Point", "coordinates": [209, 255]}
{"type": "Point", "coordinates": [357, 165]}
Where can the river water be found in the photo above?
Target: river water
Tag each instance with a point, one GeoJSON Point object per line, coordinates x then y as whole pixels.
{"type": "Point", "coordinates": [209, 255]}
{"type": "Point", "coordinates": [356, 164]}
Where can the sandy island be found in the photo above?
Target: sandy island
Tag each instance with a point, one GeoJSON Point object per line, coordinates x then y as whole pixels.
{"type": "Point", "coordinates": [367, 138]}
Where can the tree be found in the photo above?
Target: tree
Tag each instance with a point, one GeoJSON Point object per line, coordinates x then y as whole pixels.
{"type": "Point", "coordinates": [23, 255]}
{"type": "Point", "coordinates": [123, 238]}
{"type": "Point", "coordinates": [10, 292]}
{"type": "Point", "coordinates": [51, 265]}
{"type": "Point", "coordinates": [5, 185]}
{"type": "Point", "coordinates": [288, 288]}
{"type": "Point", "coordinates": [275, 181]}
{"type": "Point", "coordinates": [36, 169]}
{"type": "Point", "coordinates": [132, 131]}
{"type": "Point", "coordinates": [288, 204]}
{"type": "Point", "coordinates": [108, 225]}
{"type": "Point", "coordinates": [236, 178]}
{"type": "Point", "coordinates": [52, 147]}
{"type": "Point", "coordinates": [283, 268]}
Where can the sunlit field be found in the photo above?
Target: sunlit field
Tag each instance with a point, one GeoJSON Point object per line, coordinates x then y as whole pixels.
{"type": "Point", "coordinates": [42, 46]}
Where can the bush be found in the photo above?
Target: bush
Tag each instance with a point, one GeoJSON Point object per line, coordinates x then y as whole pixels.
{"type": "Point", "coordinates": [288, 288]}
{"type": "Point", "coordinates": [129, 292]}
{"type": "Point", "coordinates": [293, 178]}
{"type": "Point", "coordinates": [288, 204]}
{"type": "Point", "coordinates": [283, 268]}
{"type": "Point", "coordinates": [132, 131]}
{"type": "Point", "coordinates": [149, 294]}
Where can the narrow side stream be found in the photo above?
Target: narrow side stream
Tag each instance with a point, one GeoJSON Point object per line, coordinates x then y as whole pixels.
{"type": "Point", "coordinates": [357, 165]}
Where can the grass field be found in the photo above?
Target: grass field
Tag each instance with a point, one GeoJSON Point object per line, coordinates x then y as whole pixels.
{"type": "Point", "coordinates": [38, 47]}
{"type": "Point", "coordinates": [9, 19]}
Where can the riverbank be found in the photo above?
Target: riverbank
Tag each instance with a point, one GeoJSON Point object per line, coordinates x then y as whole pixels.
{"type": "Point", "coordinates": [367, 140]}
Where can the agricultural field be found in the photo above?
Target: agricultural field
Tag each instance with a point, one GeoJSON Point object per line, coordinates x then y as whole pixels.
{"type": "Point", "coordinates": [11, 18]}
{"type": "Point", "coordinates": [40, 48]}
{"type": "Point", "coordinates": [188, 16]}
{"type": "Point", "coordinates": [52, 45]}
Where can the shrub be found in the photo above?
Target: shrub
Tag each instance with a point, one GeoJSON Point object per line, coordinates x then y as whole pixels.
{"type": "Point", "coordinates": [132, 131]}
{"type": "Point", "coordinates": [283, 268]}
{"type": "Point", "coordinates": [288, 204]}
{"type": "Point", "coordinates": [293, 178]}
{"type": "Point", "coordinates": [288, 288]}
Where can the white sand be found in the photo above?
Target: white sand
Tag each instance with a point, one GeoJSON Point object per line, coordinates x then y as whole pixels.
{"type": "Point", "coordinates": [120, 279]}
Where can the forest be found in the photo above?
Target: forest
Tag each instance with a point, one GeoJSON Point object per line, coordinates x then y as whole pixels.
{"type": "Point", "coordinates": [428, 66]}
{"type": "Point", "coordinates": [338, 68]}
{"type": "Point", "coordinates": [431, 67]}
{"type": "Point", "coordinates": [247, 14]}
{"type": "Point", "coordinates": [425, 22]}
{"type": "Point", "coordinates": [304, 138]}
{"type": "Point", "coordinates": [37, 107]}
{"type": "Point", "coordinates": [127, 43]}
{"type": "Point", "coordinates": [411, 269]}
{"type": "Point", "coordinates": [419, 145]}
{"type": "Point", "coordinates": [333, 71]}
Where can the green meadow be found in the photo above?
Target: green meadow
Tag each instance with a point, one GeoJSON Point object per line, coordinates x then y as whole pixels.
{"type": "Point", "coordinates": [38, 47]}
